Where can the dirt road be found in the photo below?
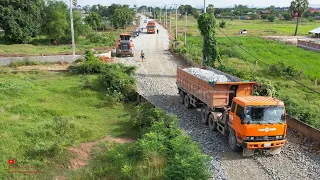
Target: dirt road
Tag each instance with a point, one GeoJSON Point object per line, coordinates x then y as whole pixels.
{"type": "Point", "coordinates": [156, 81]}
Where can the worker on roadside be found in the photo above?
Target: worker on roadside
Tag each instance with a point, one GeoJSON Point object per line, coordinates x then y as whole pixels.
{"type": "Point", "coordinates": [142, 55]}
{"type": "Point", "coordinates": [157, 31]}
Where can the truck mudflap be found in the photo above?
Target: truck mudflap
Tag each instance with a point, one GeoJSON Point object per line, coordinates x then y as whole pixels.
{"type": "Point", "coordinates": [263, 145]}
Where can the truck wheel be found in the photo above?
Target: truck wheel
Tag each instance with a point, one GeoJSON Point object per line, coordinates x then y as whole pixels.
{"type": "Point", "coordinates": [233, 141]}
{"type": "Point", "coordinates": [181, 97]}
{"type": "Point", "coordinates": [187, 102]}
{"type": "Point", "coordinates": [204, 116]}
{"type": "Point", "coordinates": [212, 123]}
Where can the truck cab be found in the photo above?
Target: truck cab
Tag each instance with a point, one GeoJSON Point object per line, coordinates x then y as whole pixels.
{"type": "Point", "coordinates": [151, 27]}
{"type": "Point", "coordinates": [257, 122]}
{"type": "Point", "coordinates": [125, 45]}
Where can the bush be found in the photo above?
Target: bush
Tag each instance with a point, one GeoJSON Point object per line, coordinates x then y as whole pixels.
{"type": "Point", "coordinates": [222, 24]}
{"type": "Point", "coordinates": [263, 16]}
{"type": "Point", "coordinates": [254, 16]}
{"type": "Point", "coordinates": [287, 16]}
{"type": "Point", "coordinates": [280, 68]}
{"type": "Point", "coordinates": [264, 88]}
{"type": "Point", "coordinates": [271, 18]}
{"type": "Point", "coordinates": [115, 79]}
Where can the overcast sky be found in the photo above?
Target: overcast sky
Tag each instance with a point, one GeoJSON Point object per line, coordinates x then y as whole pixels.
{"type": "Point", "coordinates": [216, 3]}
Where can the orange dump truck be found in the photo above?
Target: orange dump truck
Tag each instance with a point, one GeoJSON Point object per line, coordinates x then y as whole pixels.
{"type": "Point", "coordinates": [250, 122]}
{"type": "Point", "coordinates": [151, 27]}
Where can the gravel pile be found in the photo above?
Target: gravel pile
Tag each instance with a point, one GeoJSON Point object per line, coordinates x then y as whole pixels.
{"type": "Point", "coordinates": [207, 75]}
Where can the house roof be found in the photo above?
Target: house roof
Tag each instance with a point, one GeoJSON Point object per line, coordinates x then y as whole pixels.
{"type": "Point", "coordinates": [317, 30]}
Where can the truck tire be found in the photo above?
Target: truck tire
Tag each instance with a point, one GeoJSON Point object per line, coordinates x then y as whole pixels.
{"type": "Point", "coordinates": [233, 141]}
{"type": "Point", "coordinates": [181, 97]}
{"type": "Point", "coordinates": [187, 102]}
{"type": "Point", "coordinates": [204, 116]}
{"type": "Point", "coordinates": [212, 122]}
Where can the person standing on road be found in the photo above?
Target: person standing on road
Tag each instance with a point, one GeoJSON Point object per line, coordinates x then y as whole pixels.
{"type": "Point", "coordinates": [142, 55]}
{"type": "Point", "coordinates": [157, 31]}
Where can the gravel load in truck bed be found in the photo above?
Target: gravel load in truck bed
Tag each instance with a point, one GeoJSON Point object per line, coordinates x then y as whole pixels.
{"type": "Point", "coordinates": [207, 75]}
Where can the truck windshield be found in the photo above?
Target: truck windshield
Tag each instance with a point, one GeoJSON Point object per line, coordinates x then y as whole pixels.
{"type": "Point", "coordinates": [265, 115]}
{"type": "Point", "coordinates": [150, 26]}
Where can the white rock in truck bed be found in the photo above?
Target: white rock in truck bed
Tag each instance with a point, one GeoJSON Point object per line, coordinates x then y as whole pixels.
{"type": "Point", "coordinates": [206, 75]}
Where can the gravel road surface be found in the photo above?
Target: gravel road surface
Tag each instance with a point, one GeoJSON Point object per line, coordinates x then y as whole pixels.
{"type": "Point", "coordinates": [157, 82]}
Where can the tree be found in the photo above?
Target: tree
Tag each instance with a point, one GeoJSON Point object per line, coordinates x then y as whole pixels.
{"type": "Point", "coordinates": [56, 20]}
{"type": "Point", "coordinates": [222, 24]}
{"type": "Point", "coordinates": [297, 9]}
{"type": "Point", "coordinates": [122, 17]}
{"type": "Point", "coordinates": [195, 13]}
{"type": "Point", "coordinates": [271, 18]}
{"type": "Point", "coordinates": [287, 16]}
{"type": "Point", "coordinates": [182, 9]}
{"type": "Point", "coordinates": [272, 10]}
{"type": "Point", "coordinates": [210, 9]}
{"type": "Point", "coordinates": [206, 25]}
{"type": "Point", "coordinates": [254, 16]}
{"type": "Point", "coordinates": [94, 20]}
{"type": "Point", "coordinates": [21, 20]}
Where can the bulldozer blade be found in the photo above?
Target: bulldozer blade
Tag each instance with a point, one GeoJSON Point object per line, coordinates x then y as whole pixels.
{"type": "Point", "coordinates": [247, 152]}
{"type": "Point", "coordinates": [275, 151]}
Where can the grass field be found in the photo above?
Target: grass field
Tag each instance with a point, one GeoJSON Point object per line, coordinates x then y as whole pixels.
{"type": "Point", "coordinates": [266, 50]}
{"type": "Point", "coordinates": [43, 113]}
{"type": "Point", "coordinates": [254, 27]}
{"type": "Point", "coordinates": [100, 41]}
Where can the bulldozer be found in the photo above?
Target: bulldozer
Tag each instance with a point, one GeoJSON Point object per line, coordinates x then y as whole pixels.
{"type": "Point", "coordinates": [124, 46]}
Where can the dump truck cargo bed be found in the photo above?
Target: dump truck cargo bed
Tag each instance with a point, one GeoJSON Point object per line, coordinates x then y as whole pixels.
{"type": "Point", "coordinates": [213, 94]}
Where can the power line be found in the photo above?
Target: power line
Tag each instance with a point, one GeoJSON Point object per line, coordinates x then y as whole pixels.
{"type": "Point", "coordinates": [266, 64]}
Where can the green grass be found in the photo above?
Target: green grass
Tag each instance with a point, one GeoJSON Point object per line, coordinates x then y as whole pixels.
{"type": "Point", "coordinates": [43, 113]}
{"type": "Point", "coordinates": [267, 51]}
{"type": "Point", "coordinates": [254, 27]}
{"type": "Point", "coordinates": [42, 46]}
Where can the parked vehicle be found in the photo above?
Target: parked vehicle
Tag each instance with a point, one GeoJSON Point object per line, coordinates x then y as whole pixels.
{"type": "Point", "coordinates": [125, 46]}
{"type": "Point", "coordinates": [243, 31]}
{"type": "Point", "coordinates": [250, 122]}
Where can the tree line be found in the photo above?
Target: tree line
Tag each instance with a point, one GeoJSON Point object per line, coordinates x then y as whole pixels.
{"type": "Point", "coordinates": [23, 20]}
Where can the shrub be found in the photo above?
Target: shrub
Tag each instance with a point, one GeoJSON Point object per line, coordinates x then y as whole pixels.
{"type": "Point", "coordinates": [287, 16]}
{"type": "Point", "coordinates": [222, 24]}
{"type": "Point", "coordinates": [263, 16]}
{"type": "Point", "coordinates": [254, 16]}
{"type": "Point", "coordinates": [280, 68]}
{"type": "Point", "coordinates": [264, 88]}
{"type": "Point", "coordinates": [271, 18]}
{"type": "Point", "coordinates": [117, 79]}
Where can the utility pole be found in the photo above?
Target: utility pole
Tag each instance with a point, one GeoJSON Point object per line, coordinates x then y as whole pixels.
{"type": "Point", "coordinates": [176, 21]}
{"type": "Point", "coordinates": [72, 32]}
{"type": "Point", "coordinates": [160, 15]}
{"type": "Point", "coordinates": [166, 17]}
{"type": "Point", "coordinates": [204, 10]}
{"type": "Point", "coordinates": [170, 19]}
{"type": "Point", "coordinates": [185, 30]}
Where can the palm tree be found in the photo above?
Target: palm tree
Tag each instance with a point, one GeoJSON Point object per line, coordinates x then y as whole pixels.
{"type": "Point", "coordinates": [297, 9]}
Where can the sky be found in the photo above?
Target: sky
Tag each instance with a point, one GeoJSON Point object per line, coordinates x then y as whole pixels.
{"type": "Point", "coordinates": [198, 3]}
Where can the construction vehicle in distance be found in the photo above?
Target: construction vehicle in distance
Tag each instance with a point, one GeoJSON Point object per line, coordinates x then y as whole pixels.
{"type": "Point", "coordinates": [151, 27]}
{"type": "Point", "coordinates": [125, 46]}
{"type": "Point", "coordinates": [250, 122]}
